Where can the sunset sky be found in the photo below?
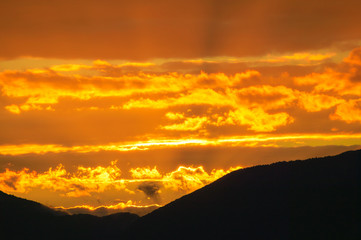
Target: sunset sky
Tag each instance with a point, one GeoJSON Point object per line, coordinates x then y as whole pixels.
{"type": "Point", "coordinates": [136, 103]}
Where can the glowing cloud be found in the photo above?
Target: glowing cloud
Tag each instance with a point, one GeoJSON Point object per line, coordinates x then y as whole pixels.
{"type": "Point", "coordinates": [348, 111]}
{"type": "Point", "coordinates": [190, 124]}
{"type": "Point", "coordinates": [257, 119]}
{"type": "Point", "coordinates": [80, 183]}
{"type": "Point", "coordinates": [86, 181]}
{"type": "Point", "coordinates": [188, 179]}
{"type": "Point", "coordinates": [145, 173]}
{"type": "Point", "coordinates": [250, 140]}
{"type": "Point", "coordinates": [301, 56]}
{"type": "Point", "coordinates": [318, 102]}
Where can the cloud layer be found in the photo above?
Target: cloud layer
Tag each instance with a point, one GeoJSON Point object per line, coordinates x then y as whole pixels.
{"type": "Point", "coordinates": [160, 29]}
{"type": "Point", "coordinates": [87, 182]}
{"type": "Point", "coordinates": [102, 103]}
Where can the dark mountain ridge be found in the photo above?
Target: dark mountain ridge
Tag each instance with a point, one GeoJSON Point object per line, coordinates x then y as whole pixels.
{"type": "Point", "coordinates": [24, 219]}
{"type": "Point", "coordinates": [310, 199]}
{"type": "Point", "coordinates": [317, 198]}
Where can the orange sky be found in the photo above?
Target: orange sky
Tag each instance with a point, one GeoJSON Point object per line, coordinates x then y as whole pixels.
{"type": "Point", "coordinates": [135, 103]}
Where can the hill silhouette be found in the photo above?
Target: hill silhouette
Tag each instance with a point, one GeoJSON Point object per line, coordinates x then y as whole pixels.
{"type": "Point", "coordinates": [317, 198]}
{"type": "Point", "coordinates": [24, 219]}
{"type": "Point", "coordinates": [310, 199]}
{"type": "Point", "coordinates": [102, 211]}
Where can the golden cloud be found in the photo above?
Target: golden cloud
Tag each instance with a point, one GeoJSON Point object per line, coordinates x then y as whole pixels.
{"type": "Point", "coordinates": [189, 124]}
{"type": "Point", "coordinates": [188, 179]}
{"type": "Point", "coordinates": [85, 180]}
{"type": "Point", "coordinates": [174, 116]}
{"type": "Point", "coordinates": [81, 183]}
{"type": "Point", "coordinates": [301, 56]}
{"type": "Point", "coordinates": [318, 102]}
{"type": "Point", "coordinates": [13, 109]}
{"type": "Point", "coordinates": [355, 57]}
{"type": "Point", "coordinates": [338, 80]}
{"type": "Point", "coordinates": [266, 96]}
{"type": "Point", "coordinates": [257, 119]}
{"type": "Point", "coordinates": [248, 98]}
{"type": "Point", "coordinates": [145, 173]}
{"type": "Point", "coordinates": [349, 111]}
{"type": "Point", "coordinates": [194, 97]}
{"type": "Point", "coordinates": [246, 140]}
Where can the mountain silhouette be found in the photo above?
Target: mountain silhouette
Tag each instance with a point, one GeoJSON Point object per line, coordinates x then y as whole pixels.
{"type": "Point", "coordinates": [24, 219]}
{"type": "Point", "coordinates": [317, 198]}
{"type": "Point", "coordinates": [102, 211]}
{"type": "Point", "coordinates": [311, 199]}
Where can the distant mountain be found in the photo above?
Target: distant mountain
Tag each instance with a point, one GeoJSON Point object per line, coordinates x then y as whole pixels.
{"type": "Point", "coordinates": [310, 199]}
{"type": "Point", "coordinates": [318, 198]}
{"type": "Point", "coordinates": [24, 219]}
{"type": "Point", "coordinates": [102, 211]}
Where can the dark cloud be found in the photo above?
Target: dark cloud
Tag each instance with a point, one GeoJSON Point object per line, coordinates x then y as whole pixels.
{"type": "Point", "coordinates": [78, 187]}
{"type": "Point", "coordinates": [11, 182]}
{"type": "Point", "coordinates": [183, 28]}
{"type": "Point", "coordinates": [151, 190]}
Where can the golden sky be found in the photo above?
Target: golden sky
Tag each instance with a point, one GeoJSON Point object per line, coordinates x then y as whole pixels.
{"type": "Point", "coordinates": [136, 103]}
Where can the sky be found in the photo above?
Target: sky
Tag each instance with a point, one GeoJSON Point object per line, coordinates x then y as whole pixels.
{"type": "Point", "coordinates": [128, 105]}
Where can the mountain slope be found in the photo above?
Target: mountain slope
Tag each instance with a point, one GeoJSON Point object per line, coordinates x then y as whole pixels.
{"type": "Point", "coordinates": [24, 219]}
{"type": "Point", "coordinates": [310, 199]}
{"type": "Point", "coordinates": [11, 206]}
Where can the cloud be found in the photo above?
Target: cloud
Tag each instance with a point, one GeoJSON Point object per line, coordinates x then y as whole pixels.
{"type": "Point", "coordinates": [331, 82]}
{"type": "Point", "coordinates": [130, 30]}
{"type": "Point", "coordinates": [10, 182]}
{"type": "Point", "coordinates": [44, 89]}
{"type": "Point", "coordinates": [151, 190]}
{"type": "Point", "coordinates": [355, 57]}
{"type": "Point", "coordinates": [89, 181]}
{"type": "Point", "coordinates": [305, 56]}
{"type": "Point", "coordinates": [349, 111]}
{"type": "Point", "coordinates": [266, 96]}
{"type": "Point", "coordinates": [44, 106]}
{"type": "Point", "coordinates": [188, 179]}
{"type": "Point", "coordinates": [68, 67]}
{"type": "Point", "coordinates": [81, 183]}
{"type": "Point", "coordinates": [275, 140]}
{"type": "Point", "coordinates": [257, 119]}
{"type": "Point", "coordinates": [13, 109]}
{"type": "Point", "coordinates": [174, 116]}
{"type": "Point", "coordinates": [341, 79]}
{"type": "Point", "coordinates": [194, 97]}
{"type": "Point", "coordinates": [318, 102]}
{"type": "Point", "coordinates": [145, 173]}
{"type": "Point", "coordinates": [189, 124]}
